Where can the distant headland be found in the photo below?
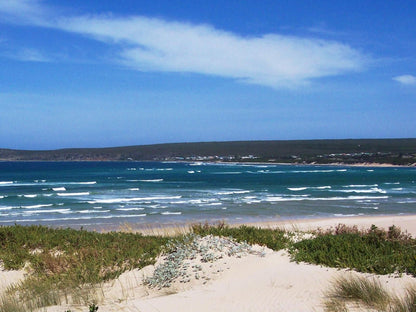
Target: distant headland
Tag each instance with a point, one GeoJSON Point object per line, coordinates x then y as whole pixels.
{"type": "Point", "coordinates": [341, 151]}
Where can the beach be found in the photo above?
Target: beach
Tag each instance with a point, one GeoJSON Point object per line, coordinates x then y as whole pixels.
{"type": "Point", "coordinates": [270, 282]}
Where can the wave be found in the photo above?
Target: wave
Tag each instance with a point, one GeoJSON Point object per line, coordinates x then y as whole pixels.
{"type": "Point", "coordinates": [36, 206]}
{"type": "Point", "coordinates": [313, 171]}
{"type": "Point", "coordinates": [30, 195]}
{"type": "Point", "coordinates": [297, 188]}
{"type": "Point", "coordinates": [191, 171]}
{"type": "Point", "coordinates": [309, 188]}
{"type": "Point", "coordinates": [6, 183]}
{"type": "Point", "coordinates": [130, 209]}
{"type": "Point", "coordinates": [233, 192]}
{"type": "Point", "coordinates": [360, 185]}
{"type": "Point", "coordinates": [170, 213]}
{"type": "Point", "coordinates": [63, 211]}
{"type": "Point", "coordinates": [74, 194]}
{"type": "Point", "coordinates": [93, 211]}
{"type": "Point", "coordinates": [58, 189]}
{"type": "Point", "coordinates": [1, 196]}
{"type": "Point", "coordinates": [134, 189]}
{"type": "Point", "coordinates": [280, 198]}
{"type": "Point", "coordinates": [227, 172]}
{"type": "Point", "coordinates": [213, 204]}
{"type": "Point", "coordinates": [152, 180]}
{"type": "Point", "coordinates": [348, 214]}
{"type": "Point", "coordinates": [74, 218]}
{"type": "Point", "coordinates": [133, 199]}
{"type": "Point", "coordinates": [85, 183]}
{"type": "Point", "coordinates": [372, 190]}
{"type": "Point", "coordinates": [7, 207]}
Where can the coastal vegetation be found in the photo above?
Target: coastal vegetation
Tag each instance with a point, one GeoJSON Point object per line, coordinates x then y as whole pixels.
{"type": "Point", "coordinates": [367, 293]}
{"type": "Point", "coordinates": [66, 265]}
{"type": "Point", "coordinates": [351, 151]}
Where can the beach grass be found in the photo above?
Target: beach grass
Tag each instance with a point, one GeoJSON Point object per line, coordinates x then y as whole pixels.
{"type": "Point", "coordinates": [66, 265]}
{"type": "Point", "coordinates": [357, 291]}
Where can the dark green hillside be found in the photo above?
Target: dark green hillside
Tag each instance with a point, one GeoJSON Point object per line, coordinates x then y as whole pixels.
{"type": "Point", "coordinates": [394, 151]}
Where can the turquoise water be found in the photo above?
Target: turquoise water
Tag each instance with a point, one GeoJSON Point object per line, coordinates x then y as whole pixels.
{"type": "Point", "coordinates": [107, 194]}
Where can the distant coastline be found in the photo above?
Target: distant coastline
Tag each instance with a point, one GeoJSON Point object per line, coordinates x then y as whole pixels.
{"type": "Point", "coordinates": [348, 152]}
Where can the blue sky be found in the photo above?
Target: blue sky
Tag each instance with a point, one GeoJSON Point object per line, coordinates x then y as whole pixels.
{"type": "Point", "coordinates": [126, 72]}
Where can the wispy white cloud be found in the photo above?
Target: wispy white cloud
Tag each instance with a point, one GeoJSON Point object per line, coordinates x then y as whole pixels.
{"type": "Point", "coordinates": [406, 79]}
{"type": "Point", "coordinates": [24, 11]}
{"type": "Point", "coordinates": [30, 55]}
{"type": "Point", "coordinates": [273, 60]}
{"type": "Point", "coordinates": [149, 44]}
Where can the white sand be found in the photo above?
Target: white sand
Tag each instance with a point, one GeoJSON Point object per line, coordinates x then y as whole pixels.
{"type": "Point", "coordinates": [250, 283]}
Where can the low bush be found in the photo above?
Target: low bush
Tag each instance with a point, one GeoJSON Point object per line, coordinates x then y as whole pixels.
{"type": "Point", "coordinates": [373, 251]}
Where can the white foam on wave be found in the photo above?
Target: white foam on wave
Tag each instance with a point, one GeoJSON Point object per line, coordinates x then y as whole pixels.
{"type": "Point", "coordinates": [134, 189]}
{"type": "Point", "coordinates": [132, 169]}
{"type": "Point", "coordinates": [197, 163]}
{"type": "Point", "coordinates": [170, 213]}
{"type": "Point", "coordinates": [7, 207]}
{"type": "Point", "coordinates": [213, 204]}
{"type": "Point", "coordinates": [58, 189]}
{"type": "Point", "coordinates": [93, 211]}
{"type": "Point", "coordinates": [314, 171]}
{"type": "Point", "coordinates": [130, 209]}
{"type": "Point", "coordinates": [360, 185]}
{"type": "Point", "coordinates": [191, 171]}
{"type": "Point", "coordinates": [30, 195]}
{"type": "Point", "coordinates": [372, 190]}
{"type": "Point", "coordinates": [36, 206]}
{"type": "Point", "coordinates": [86, 183]}
{"type": "Point", "coordinates": [309, 188]}
{"type": "Point", "coordinates": [233, 192]}
{"type": "Point", "coordinates": [1, 196]}
{"type": "Point", "coordinates": [152, 180]}
{"type": "Point", "coordinates": [281, 198]}
{"type": "Point", "coordinates": [74, 194]}
{"type": "Point", "coordinates": [227, 172]}
{"type": "Point", "coordinates": [297, 188]}
{"type": "Point", "coordinates": [62, 211]}
{"type": "Point", "coordinates": [75, 218]}
{"type": "Point", "coordinates": [133, 199]}
{"type": "Point", "coordinates": [347, 215]}
{"type": "Point", "coordinates": [6, 183]}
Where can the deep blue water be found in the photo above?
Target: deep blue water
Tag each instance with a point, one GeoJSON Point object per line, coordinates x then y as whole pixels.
{"type": "Point", "coordinates": [107, 194]}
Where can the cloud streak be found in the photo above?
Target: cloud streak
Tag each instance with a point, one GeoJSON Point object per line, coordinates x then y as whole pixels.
{"type": "Point", "coordinates": [408, 80]}
{"type": "Point", "coordinates": [150, 44]}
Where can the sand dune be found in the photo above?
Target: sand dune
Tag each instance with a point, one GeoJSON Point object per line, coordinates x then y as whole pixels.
{"type": "Point", "coordinates": [255, 282]}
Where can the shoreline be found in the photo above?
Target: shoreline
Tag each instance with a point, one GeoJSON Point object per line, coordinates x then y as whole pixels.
{"type": "Point", "coordinates": [336, 164]}
{"type": "Point", "coordinates": [407, 222]}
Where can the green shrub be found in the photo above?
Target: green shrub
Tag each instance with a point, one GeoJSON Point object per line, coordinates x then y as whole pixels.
{"type": "Point", "coordinates": [373, 251]}
{"type": "Point", "coordinates": [274, 239]}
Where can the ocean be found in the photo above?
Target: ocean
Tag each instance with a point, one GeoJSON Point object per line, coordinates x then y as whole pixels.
{"type": "Point", "coordinates": [105, 195]}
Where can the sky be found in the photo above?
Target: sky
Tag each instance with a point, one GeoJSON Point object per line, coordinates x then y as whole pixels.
{"type": "Point", "coordinates": [102, 73]}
